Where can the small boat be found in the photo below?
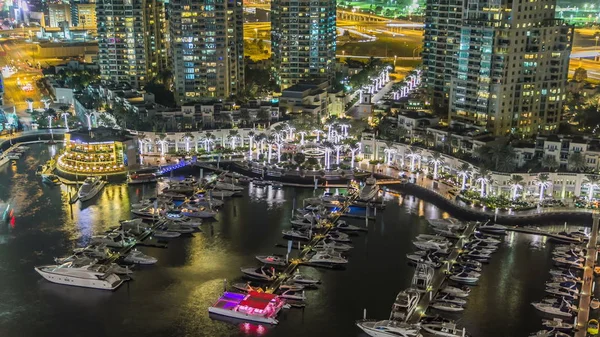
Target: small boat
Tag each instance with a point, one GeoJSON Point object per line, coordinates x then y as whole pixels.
{"type": "Point", "coordinates": [444, 329]}
{"type": "Point", "coordinates": [90, 188]}
{"type": "Point", "coordinates": [564, 309]}
{"type": "Point", "coordinates": [147, 213]}
{"type": "Point", "coordinates": [246, 287]}
{"type": "Point", "coordinates": [303, 279]}
{"type": "Point", "coordinates": [114, 239]}
{"type": "Point", "coordinates": [566, 284]}
{"type": "Point", "coordinates": [220, 185]}
{"type": "Point", "coordinates": [293, 295]}
{"type": "Point", "coordinates": [448, 223]}
{"type": "Point", "coordinates": [301, 235]}
{"type": "Point", "coordinates": [272, 259]}
{"type": "Point", "coordinates": [290, 285]}
{"type": "Point", "coordinates": [173, 195]}
{"type": "Point", "coordinates": [469, 263]}
{"type": "Point", "coordinates": [464, 278]}
{"type": "Point", "coordinates": [438, 247]}
{"type": "Point", "coordinates": [557, 324]}
{"type": "Point", "coordinates": [166, 234]}
{"type": "Point", "coordinates": [343, 226]}
{"type": "Point", "coordinates": [177, 227]}
{"type": "Point", "coordinates": [449, 233]}
{"type": "Point", "coordinates": [446, 306]}
{"type": "Point", "coordinates": [405, 304]}
{"type": "Point", "coordinates": [485, 238]}
{"type": "Point", "coordinates": [339, 237]}
{"type": "Point", "coordinates": [141, 178]}
{"type": "Point", "coordinates": [451, 299]}
{"type": "Point", "coordinates": [328, 244]}
{"type": "Point", "coordinates": [205, 201]}
{"type": "Point", "coordinates": [51, 179]}
{"type": "Point", "coordinates": [492, 228]}
{"type": "Point", "coordinates": [571, 262]}
{"type": "Point", "coordinates": [135, 256]}
{"type": "Point", "coordinates": [327, 258]}
{"type": "Point", "coordinates": [182, 219]}
{"type": "Point", "coordinates": [426, 258]}
{"type": "Point", "coordinates": [456, 291]}
{"type": "Point", "coordinates": [197, 212]}
{"type": "Point", "coordinates": [261, 273]}
{"type": "Point", "coordinates": [222, 193]}
{"type": "Point", "coordinates": [565, 273]}
{"type": "Point", "coordinates": [277, 185]}
{"type": "Point", "coordinates": [552, 333]}
{"type": "Point", "coordinates": [563, 292]}
{"type": "Point", "coordinates": [429, 237]}
{"type": "Point", "coordinates": [388, 328]}
{"type": "Point", "coordinates": [370, 190]}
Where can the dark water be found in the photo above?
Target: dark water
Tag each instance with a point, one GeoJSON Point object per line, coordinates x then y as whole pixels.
{"type": "Point", "coordinates": [171, 297]}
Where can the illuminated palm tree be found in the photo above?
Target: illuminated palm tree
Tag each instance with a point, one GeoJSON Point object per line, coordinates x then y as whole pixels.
{"type": "Point", "coordinates": [543, 181]}
{"type": "Point", "coordinates": [437, 159]}
{"type": "Point", "coordinates": [483, 180]}
{"type": "Point", "coordinates": [464, 173]}
{"type": "Point", "coordinates": [251, 136]}
{"type": "Point", "coordinates": [187, 138]}
{"type": "Point", "coordinates": [354, 147]}
{"type": "Point", "coordinates": [515, 185]}
{"type": "Point", "coordinates": [591, 183]}
{"type": "Point", "coordinates": [413, 155]}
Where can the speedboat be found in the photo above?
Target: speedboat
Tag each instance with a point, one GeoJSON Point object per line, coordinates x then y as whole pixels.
{"type": "Point", "coordinates": [429, 237]}
{"type": "Point", "coordinates": [113, 239]}
{"type": "Point", "coordinates": [220, 185]}
{"type": "Point", "coordinates": [90, 188]}
{"type": "Point", "coordinates": [300, 235]}
{"type": "Point", "coordinates": [135, 256]}
{"type": "Point", "coordinates": [330, 244]}
{"type": "Point", "coordinates": [572, 262]}
{"type": "Point", "coordinates": [222, 193]}
{"type": "Point", "coordinates": [388, 328]}
{"type": "Point", "coordinates": [141, 178]}
{"type": "Point", "coordinates": [485, 238]}
{"type": "Point", "coordinates": [450, 299]}
{"type": "Point", "coordinates": [180, 218]}
{"type": "Point", "coordinates": [447, 232]}
{"type": "Point", "coordinates": [166, 234]}
{"type": "Point", "coordinates": [444, 329]}
{"type": "Point", "coordinates": [170, 226]}
{"type": "Point", "coordinates": [566, 284]}
{"type": "Point", "coordinates": [469, 263]}
{"type": "Point", "coordinates": [447, 306]}
{"type": "Point", "coordinates": [343, 226]}
{"type": "Point", "coordinates": [89, 276]}
{"type": "Point", "coordinates": [272, 259]}
{"type": "Point", "coordinates": [464, 278]}
{"type": "Point", "coordinates": [564, 309]}
{"type": "Point", "coordinates": [456, 291]}
{"type": "Point", "coordinates": [254, 306]}
{"type": "Point", "coordinates": [439, 247]}
{"type": "Point", "coordinates": [261, 273]}
{"type": "Point", "coordinates": [205, 201]}
{"type": "Point", "coordinates": [304, 223]}
{"type": "Point", "coordinates": [405, 304]}
{"type": "Point", "coordinates": [370, 190]}
{"type": "Point", "coordinates": [492, 228]}
{"type": "Point", "coordinates": [339, 237]}
{"type": "Point", "coordinates": [303, 279]}
{"type": "Point", "coordinates": [99, 251]}
{"type": "Point", "coordinates": [197, 212]}
{"type": "Point", "coordinates": [147, 213]}
{"type": "Point", "coordinates": [51, 179]}
{"type": "Point", "coordinates": [327, 258]}
{"type": "Point", "coordinates": [552, 333]}
{"type": "Point", "coordinates": [448, 223]}
{"type": "Point", "coordinates": [557, 324]}
{"type": "Point", "coordinates": [173, 195]}
{"type": "Point", "coordinates": [567, 293]}
{"type": "Point", "coordinates": [426, 258]}
{"type": "Point", "coordinates": [565, 273]}
{"type": "Point", "coordinates": [293, 295]}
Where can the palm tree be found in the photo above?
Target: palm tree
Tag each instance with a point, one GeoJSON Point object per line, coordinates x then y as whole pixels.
{"type": "Point", "coordinates": [576, 161]}
{"type": "Point", "coordinates": [543, 181]}
{"type": "Point", "coordinates": [233, 136]}
{"type": "Point", "coordinates": [483, 179]}
{"type": "Point", "coordinates": [515, 184]}
{"type": "Point", "coordinates": [437, 159]}
{"type": "Point", "coordinates": [464, 172]}
{"type": "Point", "coordinates": [413, 155]}
{"type": "Point", "coordinates": [591, 183]}
{"type": "Point", "coordinates": [187, 138]}
{"type": "Point", "coordinates": [141, 138]}
{"type": "Point", "coordinates": [354, 146]}
{"type": "Point", "coordinates": [251, 137]}
{"type": "Point", "coordinates": [161, 140]}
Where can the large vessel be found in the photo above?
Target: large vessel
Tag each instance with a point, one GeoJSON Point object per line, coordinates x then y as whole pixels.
{"type": "Point", "coordinates": [388, 328]}
{"type": "Point", "coordinates": [253, 306]}
{"type": "Point", "coordinates": [369, 191]}
{"type": "Point", "coordinates": [90, 188]}
{"type": "Point", "coordinates": [90, 276]}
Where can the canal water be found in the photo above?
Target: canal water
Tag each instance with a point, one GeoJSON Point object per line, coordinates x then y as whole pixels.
{"type": "Point", "coordinates": [171, 297]}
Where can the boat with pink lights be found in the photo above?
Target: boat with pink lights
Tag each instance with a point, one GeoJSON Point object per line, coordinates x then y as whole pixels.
{"type": "Point", "coordinates": [253, 306]}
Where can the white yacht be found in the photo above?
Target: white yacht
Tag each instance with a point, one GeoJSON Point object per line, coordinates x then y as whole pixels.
{"type": "Point", "coordinates": [405, 304]}
{"type": "Point", "coordinates": [221, 185]}
{"type": "Point", "coordinates": [557, 324]}
{"type": "Point", "coordinates": [135, 256]}
{"type": "Point", "coordinates": [444, 329]}
{"type": "Point", "coordinates": [327, 258]}
{"type": "Point", "coordinates": [113, 239]}
{"type": "Point", "coordinates": [272, 259]}
{"type": "Point", "coordinates": [85, 276]}
{"type": "Point", "coordinates": [90, 188]}
{"type": "Point", "coordinates": [369, 191]}
{"type": "Point", "coordinates": [451, 299]}
{"type": "Point", "coordinates": [263, 273]}
{"type": "Point", "coordinates": [388, 328]}
{"type": "Point", "coordinates": [564, 309]}
{"type": "Point", "coordinates": [464, 278]}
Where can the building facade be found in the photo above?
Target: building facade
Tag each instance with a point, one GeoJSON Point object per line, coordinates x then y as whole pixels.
{"type": "Point", "coordinates": [58, 13]}
{"type": "Point", "coordinates": [303, 40]}
{"type": "Point", "coordinates": [86, 15]}
{"type": "Point", "coordinates": [500, 66]}
{"type": "Point", "coordinates": [155, 27]}
{"type": "Point", "coordinates": [206, 39]}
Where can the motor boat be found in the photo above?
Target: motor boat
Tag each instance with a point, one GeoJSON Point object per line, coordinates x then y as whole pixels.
{"type": "Point", "coordinates": [469, 263]}
{"type": "Point", "coordinates": [448, 223]}
{"type": "Point", "coordinates": [196, 212]}
{"type": "Point", "coordinates": [442, 248]}
{"type": "Point", "coordinates": [328, 197]}
{"type": "Point", "coordinates": [328, 244]}
{"type": "Point", "coordinates": [253, 306]}
{"type": "Point", "coordinates": [300, 235]}
{"type": "Point", "coordinates": [563, 292]}
{"type": "Point", "coordinates": [223, 186]}
{"type": "Point", "coordinates": [447, 306]}
{"type": "Point", "coordinates": [459, 268]}
{"type": "Point", "coordinates": [135, 256]}
{"type": "Point", "coordinates": [477, 255]}
{"type": "Point", "coordinates": [147, 213]}
{"type": "Point", "coordinates": [564, 237]}
{"type": "Point", "coordinates": [492, 228]}
{"type": "Point", "coordinates": [552, 333]}
{"type": "Point", "coordinates": [90, 276]}
{"type": "Point", "coordinates": [293, 295]}
{"type": "Point", "coordinates": [180, 218]}
{"type": "Point", "coordinates": [557, 324]}
{"type": "Point", "coordinates": [388, 328]}
{"type": "Point", "coordinates": [482, 244]}
{"type": "Point", "coordinates": [134, 226]}
{"type": "Point", "coordinates": [426, 258]}
{"type": "Point", "coordinates": [327, 258]}
{"type": "Point", "coordinates": [429, 237]}
{"type": "Point", "coordinates": [272, 259]}
{"type": "Point", "coordinates": [451, 299]}
{"type": "Point", "coordinates": [405, 304]}
{"type": "Point", "coordinates": [456, 291]}
{"type": "Point", "coordinates": [565, 273]}
{"type": "Point", "coordinates": [464, 278]}
{"type": "Point", "coordinates": [304, 223]}
{"type": "Point", "coordinates": [571, 262]}
{"type": "Point", "coordinates": [449, 233]}
{"type": "Point", "coordinates": [205, 201]}
{"type": "Point", "coordinates": [166, 234]}
{"type": "Point", "coordinates": [343, 226]}
{"type": "Point", "coordinates": [141, 178]}
{"type": "Point", "coordinates": [290, 285]}
{"type": "Point", "coordinates": [173, 195]}
{"type": "Point", "coordinates": [169, 226]}
{"type": "Point", "coordinates": [564, 309]}
{"type": "Point", "coordinates": [181, 187]}
{"type": "Point", "coordinates": [370, 190]}
{"type": "Point", "coordinates": [303, 279]}
{"type": "Point", "coordinates": [51, 179]}
{"type": "Point", "coordinates": [444, 329]}
{"type": "Point", "coordinates": [277, 185]}
{"type": "Point", "coordinates": [261, 273]}
{"type": "Point", "coordinates": [90, 188]}
{"type": "Point", "coordinates": [485, 238]}
{"type": "Point", "coordinates": [566, 284]}
{"type": "Point", "coordinates": [98, 251]}
{"type": "Point", "coordinates": [339, 237]}
{"type": "Point", "coordinates": [113, 239]}
{"type": "Point", "coordinates": [222, 193]}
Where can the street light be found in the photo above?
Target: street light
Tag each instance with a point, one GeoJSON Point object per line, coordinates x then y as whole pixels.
{"type": "Point", "coordinates": [597, 38]}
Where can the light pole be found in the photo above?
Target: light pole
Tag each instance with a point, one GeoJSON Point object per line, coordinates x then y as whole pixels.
{"type": "Point", "coordinates": [597, 38]}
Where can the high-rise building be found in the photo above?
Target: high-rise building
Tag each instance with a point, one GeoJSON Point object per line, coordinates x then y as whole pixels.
{"type": "Point", "coordinates": [129, 40]}
{"type": "Point", "coordinates": [303, 40]}
{"type": "Point", "coordinates": [498, 65]}
{"type": "Point", "coordinates": [207, 49]}
{"type": "Point", "coordinates": [86, 15]}
{"type": "Point", "coordinates": [58, 13]}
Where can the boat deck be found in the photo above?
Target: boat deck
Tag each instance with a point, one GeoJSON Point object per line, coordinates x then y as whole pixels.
{"type": "Point", "coordinates": [440, 275]}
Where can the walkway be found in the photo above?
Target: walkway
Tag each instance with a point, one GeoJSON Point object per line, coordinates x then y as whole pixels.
{"type": "Point", "coordinates": [588, 280]}
{"type": "Point", "coordinates": [440, 275]}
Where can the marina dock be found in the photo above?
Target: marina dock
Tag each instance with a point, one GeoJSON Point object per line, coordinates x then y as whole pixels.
{"type": "Point", "coordinates": [440, 275]}
{"type": "Point", "coordinates": [583, 314]}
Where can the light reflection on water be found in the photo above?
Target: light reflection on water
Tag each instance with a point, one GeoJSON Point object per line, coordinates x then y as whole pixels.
{"type": "Point", "coordinates": [171, 298]}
